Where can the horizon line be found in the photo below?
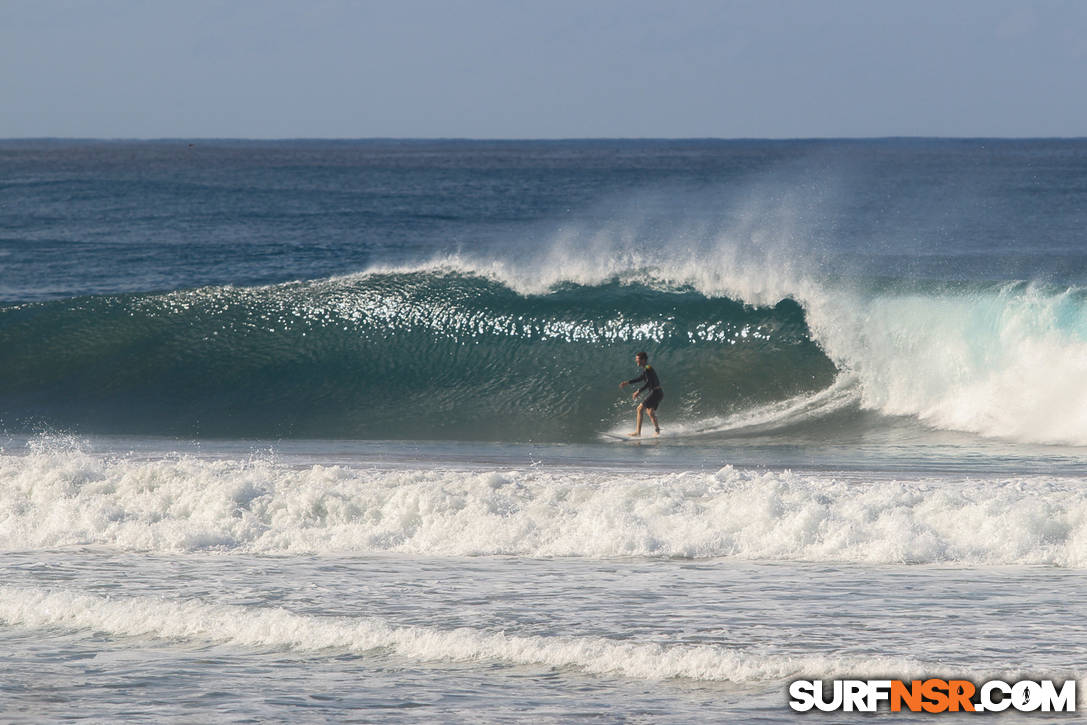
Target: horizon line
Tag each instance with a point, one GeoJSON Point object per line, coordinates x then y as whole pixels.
{"type": "Point", "coordinates": [526, 139]}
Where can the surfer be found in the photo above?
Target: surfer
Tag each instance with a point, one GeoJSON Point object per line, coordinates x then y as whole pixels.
{"type": "Point", "coordinates": [652, 384]}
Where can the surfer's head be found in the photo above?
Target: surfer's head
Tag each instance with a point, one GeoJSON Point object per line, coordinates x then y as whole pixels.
{"type": "Point", "coordinates": [641, 358]}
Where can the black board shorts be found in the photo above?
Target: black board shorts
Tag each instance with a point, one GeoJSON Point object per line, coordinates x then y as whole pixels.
{"type": "Point", "coordinates": [653, 400]}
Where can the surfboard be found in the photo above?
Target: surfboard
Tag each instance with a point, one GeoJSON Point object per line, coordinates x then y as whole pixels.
{"type": "Point", "coordinates": [631, 439]}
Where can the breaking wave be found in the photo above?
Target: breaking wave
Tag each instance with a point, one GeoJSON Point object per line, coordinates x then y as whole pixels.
{"type": "Point", "coordinates": [478, 352]}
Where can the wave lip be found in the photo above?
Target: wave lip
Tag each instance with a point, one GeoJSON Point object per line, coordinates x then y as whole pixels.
{"type": "Point", "coordinates": [51, 499]}
{"type": "Point", "coordinates": [265, 627]}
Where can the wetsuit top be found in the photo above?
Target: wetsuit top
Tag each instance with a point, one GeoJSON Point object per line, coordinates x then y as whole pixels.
{"type": "Point", "coordinates": [649, 377]}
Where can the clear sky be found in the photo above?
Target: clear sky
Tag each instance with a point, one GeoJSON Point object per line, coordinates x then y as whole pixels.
{"type": "Point", "coordinates": [543, 69]}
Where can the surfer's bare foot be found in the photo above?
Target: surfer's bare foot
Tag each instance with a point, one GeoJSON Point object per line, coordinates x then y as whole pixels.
{"type": "Point", "coordinates": [658, 432]}
{"type": "Point", "coordinates": [634, 435]}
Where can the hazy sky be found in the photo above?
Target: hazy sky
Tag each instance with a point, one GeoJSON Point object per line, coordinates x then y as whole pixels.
{"type": "Point", "coordinates": [544, 69]}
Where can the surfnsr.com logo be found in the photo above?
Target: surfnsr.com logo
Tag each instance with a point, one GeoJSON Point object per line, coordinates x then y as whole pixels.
{"type": "Point", "coordinates": [932, 695]}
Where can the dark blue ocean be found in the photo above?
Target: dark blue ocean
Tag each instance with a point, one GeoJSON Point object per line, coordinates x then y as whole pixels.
{"type": "Point", "coordinates": [328, 430]}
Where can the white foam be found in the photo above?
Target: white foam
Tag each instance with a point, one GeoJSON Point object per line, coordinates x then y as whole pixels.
{"type": "Point", "coordinates": [276, 627]}
{"type": "Point", "coordinates": [55, 498]}
{"type": "Point", "coordinates": [1008, 363]}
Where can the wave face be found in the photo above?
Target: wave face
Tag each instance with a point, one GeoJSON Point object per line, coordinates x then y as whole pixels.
{"type": "Point", "coordinates": [52, 498]}
{"type": "Point", "coordinates": [472, 353]}
{"type": "Point", "coordinates": [414, 355]}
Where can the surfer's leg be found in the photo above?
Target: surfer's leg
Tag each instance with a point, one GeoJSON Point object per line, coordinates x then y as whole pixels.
{"type": "Point", "coordinates": [651, 404]}
{"type": "Point", "coordinates": [638, 427]}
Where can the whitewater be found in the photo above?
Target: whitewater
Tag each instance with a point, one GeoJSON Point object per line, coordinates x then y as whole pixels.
{"type": "Point", "coordinates": [64, 498]}
{"type": "Point", "coordinates": [320, 431]}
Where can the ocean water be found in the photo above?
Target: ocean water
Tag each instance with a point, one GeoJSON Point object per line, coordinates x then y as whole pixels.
{"type": "Point", "coordinates": [322, 431]}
